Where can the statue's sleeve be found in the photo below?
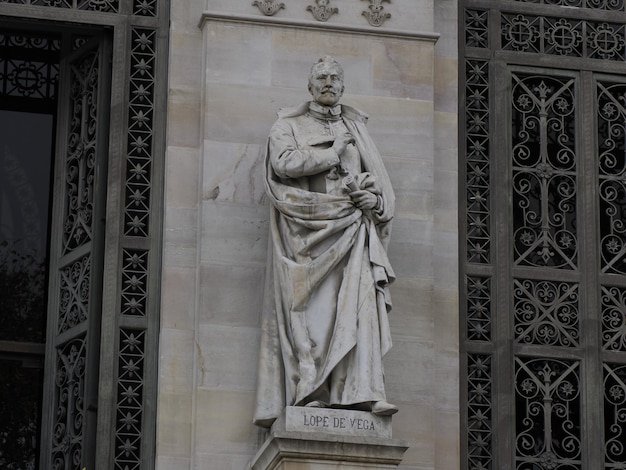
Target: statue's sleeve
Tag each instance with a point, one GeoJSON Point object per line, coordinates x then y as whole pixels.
{"type": "Point", "coordinates": [293, 159]}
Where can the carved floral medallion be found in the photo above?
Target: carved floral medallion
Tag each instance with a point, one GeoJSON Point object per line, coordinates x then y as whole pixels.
{"type": "Point", "coordinates": [322, 11]}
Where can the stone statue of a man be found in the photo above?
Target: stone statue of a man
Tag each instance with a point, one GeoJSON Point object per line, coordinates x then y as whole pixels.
{"type": "Point", "coordinates": [325, 327]}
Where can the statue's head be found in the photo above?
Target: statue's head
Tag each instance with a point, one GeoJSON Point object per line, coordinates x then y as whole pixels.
{"type": "Point", "coordinates": [326, 81]}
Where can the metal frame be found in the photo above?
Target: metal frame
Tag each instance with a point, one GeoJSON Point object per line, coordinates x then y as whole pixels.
{"type": "Point", "coordinates": [117, 285]}
{"type": "Point", "coordinates": [488, 359]}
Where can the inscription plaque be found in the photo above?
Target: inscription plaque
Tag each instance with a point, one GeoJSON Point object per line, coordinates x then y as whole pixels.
{"type": "Point", "coordinates": [335, 421]}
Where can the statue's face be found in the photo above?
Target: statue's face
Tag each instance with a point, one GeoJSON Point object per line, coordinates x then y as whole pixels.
{"type": "Point", "coordinates": [325, 84]}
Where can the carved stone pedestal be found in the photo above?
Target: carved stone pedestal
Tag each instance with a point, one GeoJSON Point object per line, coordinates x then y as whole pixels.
{"type": "Point", "coordinates": [326, 439]}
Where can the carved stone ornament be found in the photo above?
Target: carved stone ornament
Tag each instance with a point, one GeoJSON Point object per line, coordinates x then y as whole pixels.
{"type": "Point", "coordinates": [322, 11]}
{"type": "Point", "coordinates": [376, 16]}
{"type": "Point", "coordinates": [268, 7]}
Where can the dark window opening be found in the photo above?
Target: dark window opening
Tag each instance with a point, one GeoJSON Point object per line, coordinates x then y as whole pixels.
{"type": "Point", "coordinates": [29, 70]}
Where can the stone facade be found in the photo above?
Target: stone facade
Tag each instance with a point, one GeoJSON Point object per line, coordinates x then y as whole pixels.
{"type": "Point", "coordinates": [231, 68]}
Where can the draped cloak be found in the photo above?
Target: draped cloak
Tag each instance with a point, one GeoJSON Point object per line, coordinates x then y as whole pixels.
{"type": "Point", "coordinates": [327, 279]}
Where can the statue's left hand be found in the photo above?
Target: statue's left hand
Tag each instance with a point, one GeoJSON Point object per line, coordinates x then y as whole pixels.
{"type": "Point", "coordinates": [364, 200]}
{"type": "Point", "coordinates": [368, 181]}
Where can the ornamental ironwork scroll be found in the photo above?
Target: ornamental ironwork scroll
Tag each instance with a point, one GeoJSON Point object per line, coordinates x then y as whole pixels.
{"type": "Point", "coordinates": [544, 171]}
{"type": "Point", "coordinates": [613, 318]}
{"type": "Point", "coordinates": [612, 175]}
{"type": "Point", "coordinates": [74, 301]}
{"type": "Point", "coordinates": [546, 312]}
{"type": "Point", "coordinates": [548, 415]}
{"type": "Point", "coordinates": [81, 154]}
{"type": "Point", "coordinates": [69, 406]}
{"type": "Point", "coordinates": [615, 416]}
{"type": "Point", "coordinates": [75, 310]}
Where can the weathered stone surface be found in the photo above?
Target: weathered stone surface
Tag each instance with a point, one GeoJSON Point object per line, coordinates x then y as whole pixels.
{"type": "Point", "coordinates": [226, 81]}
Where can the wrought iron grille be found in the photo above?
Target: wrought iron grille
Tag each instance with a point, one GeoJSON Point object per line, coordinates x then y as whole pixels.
{"type": "Point", "coordinates": [92, 5]}
{"type": "Point", "coordinates": [614, 5]}
{"type": "Point", "coordinates": [546, 312]}
{"type": "Point", "coordinates": [615, 415]}
{"type": "Point", "coordinates": [81, 154]}
{"type": "Point", "coordinates": [29, 66]}
{"type": "Point", "coordinates": [612, 173]}
{"type": "Point", "coordinates": [140, 135]}
{"type": "Point", "coordinates": [477, 144]}
{"type": "Point", "coordinates": [548, 422]}
{"type": "Point", "coordinates": [479, 411]}
{"type": "Point", "coordinates": [68, 437]}
{"type": "Point", "coordinates": [613, 318]}
{"type": "Point", "coordinates": [562, 36]}
{"type": "Point", "coordinates": [479, 322]}
{"type": "Point", "coordinates": [543, 234]}
{"type": "Point", "coordinates": [544, 171]}
{"type": "Point", "coordinates": [131, 394]}
{"type": "Point", "coordinates": [126, 438]}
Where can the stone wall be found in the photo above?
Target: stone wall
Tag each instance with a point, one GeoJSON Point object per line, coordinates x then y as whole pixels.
{"type": "Point", "coordinates": [231, 69]}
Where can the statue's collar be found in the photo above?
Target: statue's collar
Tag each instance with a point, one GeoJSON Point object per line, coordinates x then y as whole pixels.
{"type": "Point", "coordinates": [346, 112]}
{"type": "Point", "coordinates": [328, 113]}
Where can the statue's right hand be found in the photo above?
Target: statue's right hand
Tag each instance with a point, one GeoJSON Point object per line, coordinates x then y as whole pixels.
{"type": "Point", "coordinates": [341, 142]}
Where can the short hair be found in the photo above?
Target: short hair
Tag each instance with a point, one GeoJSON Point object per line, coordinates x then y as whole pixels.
{"type": "Point", "coordinates": [326, 60]}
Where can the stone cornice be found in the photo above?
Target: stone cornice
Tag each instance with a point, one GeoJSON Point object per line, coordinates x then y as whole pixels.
{"type": "Point", "coordinates": [316, 26]}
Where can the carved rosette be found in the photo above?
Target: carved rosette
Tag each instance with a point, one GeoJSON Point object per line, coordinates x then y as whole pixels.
{"type": "Point", "coordinates": [477, 145]}
{"type": "Point", "coordinates": [145, 7]}
{"type": "Point", "coordinates": [134, 282]}
{"type": "Point", "coordinates": [268, 7]}
{"type": "Point", "coordinates": [140, 133]}
{"type": "Point", "coordinates": [479, 411]}
{"type": "Point", "coordinates": [130, 391]}
{"type": "Point", "coordinates": [375, 15]}
{"type": "Point", "coordinates": [477, 28]}
{"type": "Point", "coordinates": [322, 11]}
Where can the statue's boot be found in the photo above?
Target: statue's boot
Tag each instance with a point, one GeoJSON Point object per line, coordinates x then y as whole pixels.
{"type": "Point", "coordinates": [382, 408]}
